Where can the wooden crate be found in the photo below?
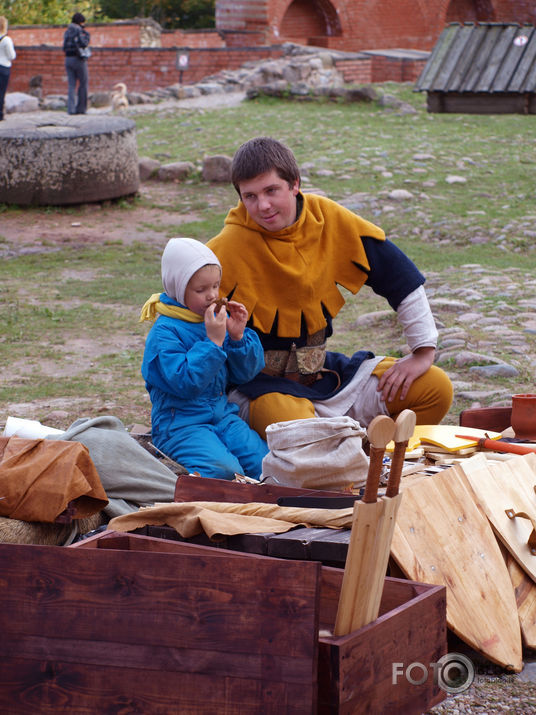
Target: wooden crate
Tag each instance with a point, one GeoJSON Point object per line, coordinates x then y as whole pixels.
{"type": "Point", "coordinates": [127, 623]}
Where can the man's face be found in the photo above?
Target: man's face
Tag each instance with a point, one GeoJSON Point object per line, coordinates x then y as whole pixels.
{"type": "Point", "coordinates": [269, 200]}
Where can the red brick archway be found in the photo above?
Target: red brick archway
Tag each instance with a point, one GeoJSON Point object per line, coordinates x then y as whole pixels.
{"type": "Point", "coordinates": [355, 25]}
{"type": "Point", "coordinates": [304, 18]}
{"type": "Point", "coordinates": [470, 11]}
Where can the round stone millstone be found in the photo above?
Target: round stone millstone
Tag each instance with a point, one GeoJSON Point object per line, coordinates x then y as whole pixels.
{"type": "Point", "coordinates": [51, 158]}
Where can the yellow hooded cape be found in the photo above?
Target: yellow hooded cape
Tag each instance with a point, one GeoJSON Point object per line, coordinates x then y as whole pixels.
{"type": "Point", "coordinates": [295, 270]}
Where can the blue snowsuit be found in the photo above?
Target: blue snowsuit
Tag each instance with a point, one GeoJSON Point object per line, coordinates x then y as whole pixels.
{"type": "Point", "coordinates": [186, 375]}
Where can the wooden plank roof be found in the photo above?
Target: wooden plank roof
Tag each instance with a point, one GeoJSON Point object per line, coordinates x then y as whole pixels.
{"type": "Point", "coordinates": [482, 57]}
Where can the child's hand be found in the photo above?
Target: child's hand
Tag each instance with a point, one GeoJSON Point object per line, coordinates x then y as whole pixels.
{"type": "Point", "coordinates": [215, 324]}
{"type": "Point", "coordinates": [236, 322]}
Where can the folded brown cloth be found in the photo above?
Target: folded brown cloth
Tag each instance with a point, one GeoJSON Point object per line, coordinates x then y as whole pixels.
{"type": "Point", "coordinates": [217, 519]}
{"type": "Point", "coordinates": [48, 480]}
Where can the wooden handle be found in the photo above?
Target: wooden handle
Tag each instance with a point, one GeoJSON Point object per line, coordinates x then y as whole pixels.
{"type": "Point", "coordinates": [498, 446]}
{"type": "Point", "coordinates": [404, 428]}
{"type": "Point", "coordinates": [380, 432]}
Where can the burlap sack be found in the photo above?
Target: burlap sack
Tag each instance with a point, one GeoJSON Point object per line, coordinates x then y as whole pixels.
{"type": "Point", "coordinates": [316, 453]}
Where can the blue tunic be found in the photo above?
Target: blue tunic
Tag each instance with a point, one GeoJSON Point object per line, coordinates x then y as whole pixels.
{"type": "Point", "coordinates": [187, 376]}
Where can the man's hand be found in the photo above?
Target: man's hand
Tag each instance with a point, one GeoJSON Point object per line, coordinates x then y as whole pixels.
{"type": "Point", "coordinates": [405, 370]}
{"type": "Point", "coordinates": [236, 322]}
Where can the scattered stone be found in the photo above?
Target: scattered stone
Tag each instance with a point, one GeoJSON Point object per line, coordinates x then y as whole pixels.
{"type": "Point", "coordinates": [492, 371]}
{"type": "Point", "coordinates": [528, 674]}
{"type": "Point", "coordinates": [100, 99]}
{"type": "Point", "coordinates": [148, 167]}
{"type": "Point", "coordinates": [176, 171]}
{"type": "Point", "coordinates": [447, 304]}
{"type": "Point", "coordinates": [466, 357]}
{"type": "Point", "coordinates": [423, 157]}
{"type": "Point", "coordinates": [469, 317]}
{"type": "Point", "coordinates": [373, 318]}
{"type": "Point", "coordinates": [400, 195]}
{"type": "Point", "coordinates": [453, 179]}
{"type": "Point", "coordinates": [20, 102]}
{"type": "Point", "coordinates": [452, 343]}
{"type": "Point", "coordinates": [217, 168]}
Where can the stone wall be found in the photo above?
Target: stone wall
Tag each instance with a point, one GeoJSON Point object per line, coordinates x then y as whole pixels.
{"type": "Point", "coordinates": [141, 69]}
{"type": "Point", "coordinates": [123, 33]}
{"type": "Point", "coordinates": [145, 69]}
{"type": "Point", "coordinates": [348, 25]}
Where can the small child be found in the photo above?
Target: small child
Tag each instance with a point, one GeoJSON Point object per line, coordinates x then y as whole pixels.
{"type": "Point", "coordinates": [192, 352]}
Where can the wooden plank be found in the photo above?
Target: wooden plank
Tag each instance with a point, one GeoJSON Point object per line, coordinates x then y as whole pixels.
{"type": "Point", "coordinates": [528, 59]}
{"type": "Point", "coordinates": [50, 686]}
{"type": "Point", "coordinates": [184, 602]}
{"type": "Point", "coordinates": [326, 545]}
{"type": "Point", "coordinates": [366, 563]}
{"type": "Point", "coordinates": [450, 66]}
{"type": "Point", "coordinates": [396, 592]}
{"type": "Point", "coordinates": [525, 591]}
{"type": "Point", "coordinates": [487, 418]}
{"type": "Point", "coordinates": [190, 488]}
{"type": "Point", "coordinates": [294, 544]}
{"type": "Point", "coordinates": [499, 487]}
{"type": "Point", "coordinates": [529, 85]}
{"type": "Point", "coordinates": [481, 59]}
{"type": "Point", "coordinates": [483, 103]}
{"type": "Point", "coordinates": [435, 61]}
{"type": "Point", "coordinates": [511, 63]}
{"type": "Point", "coordinates": [330, 547]}
{"type": "Point", "coordinates": [496, 59]}
{"type": "Point", "coordinates": [363, 683]}
{"type": "Point", "coordinates": [472, 46]}
{"type": "Point", "coordinates": [441, 537]}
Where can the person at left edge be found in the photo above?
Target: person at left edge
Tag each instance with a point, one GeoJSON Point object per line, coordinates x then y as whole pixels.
{"type": "Point", "coordinates": [76, 37]}
{"type": "Point", "coordinates": [7, 55]}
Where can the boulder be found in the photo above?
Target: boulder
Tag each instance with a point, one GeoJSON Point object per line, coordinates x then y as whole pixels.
{"type": "Point", "coordinates": [176, 171]}
{"type": "Point", "coordinates": [148, 167]}
{"type": "Point", "coordinates": [52, 158]}
{"type": "Point", "coordinates": [217, 168]}
{"type": "Point", "coordinates": [20, 102]}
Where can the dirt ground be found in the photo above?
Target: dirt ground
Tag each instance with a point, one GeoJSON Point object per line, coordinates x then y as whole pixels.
{"type": "Point", "coordinates": [37, 231]}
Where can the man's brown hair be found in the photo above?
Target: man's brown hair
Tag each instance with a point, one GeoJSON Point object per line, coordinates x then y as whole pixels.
{"type": "Point", "coordinates": [260, 155]}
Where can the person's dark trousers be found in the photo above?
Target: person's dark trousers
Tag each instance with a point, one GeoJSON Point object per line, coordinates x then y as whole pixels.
{"type": "Point", "coordinates": [4, 79]}
{"type": "Point", "coordinates": [77, 71]}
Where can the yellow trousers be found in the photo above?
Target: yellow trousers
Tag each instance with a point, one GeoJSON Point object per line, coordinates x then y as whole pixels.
{"type": "Point", "coordinates": [430, 397]}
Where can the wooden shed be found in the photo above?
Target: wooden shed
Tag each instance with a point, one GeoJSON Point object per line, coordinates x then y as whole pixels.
{"type": "Point", "coordinates": [482, 68]}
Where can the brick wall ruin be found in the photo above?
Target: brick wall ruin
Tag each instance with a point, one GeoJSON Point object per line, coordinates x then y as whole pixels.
{"type": "Point", "coordinates": [143, 56]}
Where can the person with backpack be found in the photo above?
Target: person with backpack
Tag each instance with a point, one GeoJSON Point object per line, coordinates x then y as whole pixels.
{"type": "Point", "coordinates": [75, 46]}
{"type": "Point", "coordinates": [7, 55]}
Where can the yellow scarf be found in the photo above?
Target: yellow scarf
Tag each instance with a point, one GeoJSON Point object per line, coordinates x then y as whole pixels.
{"type": "Point", "coordinates": [154, 306]}
{"type": "Point", "coordinates": [296, 270]}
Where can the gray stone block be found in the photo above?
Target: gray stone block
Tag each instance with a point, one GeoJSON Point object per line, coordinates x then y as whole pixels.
{"type": "Point", "coordinates": [51, 158]}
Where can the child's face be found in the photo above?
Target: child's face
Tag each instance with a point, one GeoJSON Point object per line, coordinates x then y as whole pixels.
{"type": "Point", "coordinates": [203, 289]}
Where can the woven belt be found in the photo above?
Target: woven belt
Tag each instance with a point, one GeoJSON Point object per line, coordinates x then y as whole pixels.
{"type": "Point", "coordinates": [294, 376]}
{"type": "Point", "coordinates": [301, 364]}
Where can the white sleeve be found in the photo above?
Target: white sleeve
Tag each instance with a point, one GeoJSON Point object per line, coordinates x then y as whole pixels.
{"type": "Point", "coordinates": [416, 317]}
{"type": "Point", "coordinates": [10, 49]}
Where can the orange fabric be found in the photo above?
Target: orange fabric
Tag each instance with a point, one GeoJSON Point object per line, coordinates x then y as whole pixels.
{"type": "Point", "coordinates": [297, 270]}
{"type": "Point", "coordinates": [430, 395]}
{"type": "Point", "coordinates": [268, 408]}
{"type": "Point", "coordinates": [42, 479]}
